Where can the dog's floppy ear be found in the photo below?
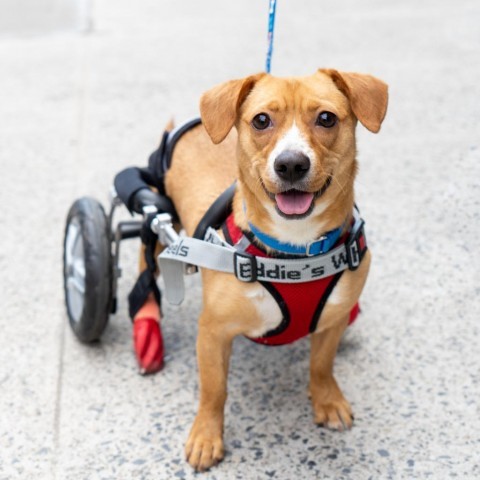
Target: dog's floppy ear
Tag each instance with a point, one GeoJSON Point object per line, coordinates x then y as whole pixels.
{"type": "Point", "coordinates": [219, 105]}
{"type": "Point", "coordinates": [368, 96]}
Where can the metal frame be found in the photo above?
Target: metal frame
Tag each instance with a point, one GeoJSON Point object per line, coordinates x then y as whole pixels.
{"type": "Point", "coordinates": [161, 224]}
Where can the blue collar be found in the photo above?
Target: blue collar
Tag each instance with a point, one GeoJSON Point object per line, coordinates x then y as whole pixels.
{"type": "Point", "coordinates": [317, 247]}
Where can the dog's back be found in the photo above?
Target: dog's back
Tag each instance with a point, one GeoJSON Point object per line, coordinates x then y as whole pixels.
{"type": "Point", "coordinates": [199, 173]}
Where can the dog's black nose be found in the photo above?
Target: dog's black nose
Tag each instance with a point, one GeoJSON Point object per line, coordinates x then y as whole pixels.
{"type": "Point", "coordinates": [291, 165]}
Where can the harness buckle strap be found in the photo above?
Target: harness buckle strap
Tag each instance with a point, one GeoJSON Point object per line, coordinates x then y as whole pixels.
{"type": "Point", "coordinates": [356, 245]}
{"type": "Point", "coordinates": [245, 267]}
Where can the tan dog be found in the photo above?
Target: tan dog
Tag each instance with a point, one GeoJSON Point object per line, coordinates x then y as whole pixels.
{"type": "Point", "coordinates": [293, 153]}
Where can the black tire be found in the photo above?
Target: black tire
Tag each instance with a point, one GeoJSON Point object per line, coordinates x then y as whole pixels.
{"type": "Point", "coordinates": [87, 251]}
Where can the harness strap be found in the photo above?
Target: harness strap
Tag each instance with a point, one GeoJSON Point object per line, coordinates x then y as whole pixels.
{"type": "Point", "coordinates": [173, 137]}
{"type": "Point", "coordinates": [146, 283]}
{"type": "Point", "coordinates": [218, 211]}
{"type": "Point", "coordinates": [213, 253]}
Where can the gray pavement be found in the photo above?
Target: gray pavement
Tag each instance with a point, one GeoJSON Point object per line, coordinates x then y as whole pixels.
{"type": "Point", "coordinates": [85, 88]}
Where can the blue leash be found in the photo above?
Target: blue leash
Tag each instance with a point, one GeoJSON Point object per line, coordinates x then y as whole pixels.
{"type": "Point", "coordinates": [271, 24]}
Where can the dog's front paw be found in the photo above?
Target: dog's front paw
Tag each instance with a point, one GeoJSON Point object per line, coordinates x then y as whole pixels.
{"type": "Point", "coordinates": [204, 447]}
{"type": "Point", "coordinates": [330, 407]}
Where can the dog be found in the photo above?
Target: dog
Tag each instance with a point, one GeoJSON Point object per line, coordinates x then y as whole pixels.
{"type": "Point", "coordinates": [290, 145]}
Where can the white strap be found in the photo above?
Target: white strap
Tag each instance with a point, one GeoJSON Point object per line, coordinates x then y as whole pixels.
{"type": "Point", "coordinates": [213, 253]}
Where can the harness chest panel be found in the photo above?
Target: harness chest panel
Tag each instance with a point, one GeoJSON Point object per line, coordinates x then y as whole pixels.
{"type": "Point", "coordinates": [301, 304]}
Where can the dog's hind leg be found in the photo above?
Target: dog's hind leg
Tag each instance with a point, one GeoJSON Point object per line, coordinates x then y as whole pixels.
{"type": "Point", "coordinates": [147, 335]}
{"type": "Point", "coordinates": [330, 407]}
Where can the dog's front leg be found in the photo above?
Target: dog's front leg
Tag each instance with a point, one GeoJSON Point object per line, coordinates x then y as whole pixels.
{"type": "Point", "coordinates": [204, 447]}
{"type": "Point", "coordinates": [330, 407]}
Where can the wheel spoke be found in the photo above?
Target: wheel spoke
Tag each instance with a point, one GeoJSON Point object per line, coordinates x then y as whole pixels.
{"type": "Point", "coordinates": [75, 269]}
{"type": "Point", "coordinates": [70, 242]}
{"type": "Point", "coordinates": [75, 284]}
{"type": "Point", "coordinates": [78, 269]}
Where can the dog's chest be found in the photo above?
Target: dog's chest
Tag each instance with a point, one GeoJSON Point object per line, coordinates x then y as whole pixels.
{"type": "Point", "coordinates": [270, 315]}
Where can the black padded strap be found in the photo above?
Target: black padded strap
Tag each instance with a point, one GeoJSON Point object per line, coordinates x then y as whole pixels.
{"type": "Point", "coordinates": [174, 138]}
{"type": "Point", "coordinates": [128, 182]}
{"type": "Point", "coordinates": [133, 187]}
{"type": "Point", "coordinates": [218, 212]}
{"type": "Point", "coordinates": [155, 164]}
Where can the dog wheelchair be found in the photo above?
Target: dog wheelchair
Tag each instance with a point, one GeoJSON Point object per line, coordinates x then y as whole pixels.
{"type": "Point", "coordinates": [91, 257]}
{"type": "Point", "coordinates": [92, 241]}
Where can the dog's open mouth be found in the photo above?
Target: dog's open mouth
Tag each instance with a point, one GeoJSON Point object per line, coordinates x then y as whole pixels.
{"type": "Point", "coordinates": [294, 202]}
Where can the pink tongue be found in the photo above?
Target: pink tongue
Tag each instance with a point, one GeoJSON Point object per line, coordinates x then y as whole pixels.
{"type": "Point", "coordinates": [294, 202]}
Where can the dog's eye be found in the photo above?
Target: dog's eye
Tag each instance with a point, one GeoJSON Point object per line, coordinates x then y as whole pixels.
{"type": "Point", "coordinates": [261, 121]}
{"type": "Point", "coordinates": [326, 119]}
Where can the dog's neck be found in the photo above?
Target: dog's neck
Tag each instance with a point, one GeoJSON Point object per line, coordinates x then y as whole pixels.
{"type": "Point", "coordinates": [329, 213]}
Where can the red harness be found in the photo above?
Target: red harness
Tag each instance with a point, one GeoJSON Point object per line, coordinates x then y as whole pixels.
{"type": "Point", "coordinates": [301, 304]}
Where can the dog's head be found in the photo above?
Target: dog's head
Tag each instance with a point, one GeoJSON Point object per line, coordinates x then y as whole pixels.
{"type": "Point", "coordinates": [296, 143]}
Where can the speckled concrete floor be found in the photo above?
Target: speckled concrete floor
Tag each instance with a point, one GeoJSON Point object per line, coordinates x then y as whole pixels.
{"type": "Point", "coordinates": [77, 107]}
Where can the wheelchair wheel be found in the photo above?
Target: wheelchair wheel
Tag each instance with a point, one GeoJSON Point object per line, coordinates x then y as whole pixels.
{"type": "Point", "coordinates": [87, 269]}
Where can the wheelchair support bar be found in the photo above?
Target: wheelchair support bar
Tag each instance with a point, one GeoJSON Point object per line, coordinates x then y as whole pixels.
{"type": "Point", "coordinates": [133, 187]}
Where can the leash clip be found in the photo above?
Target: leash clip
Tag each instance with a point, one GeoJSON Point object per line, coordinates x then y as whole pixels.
{"type": "Point", "coordinates": [245, 267]}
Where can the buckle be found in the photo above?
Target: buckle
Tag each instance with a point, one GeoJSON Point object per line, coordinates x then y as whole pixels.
{"type": "Point", "coordinates": [311, 245]}
{"type": "Point", "coordinates": [245, 267]}
{"type": "Point", "coordinates": [353, 245]}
